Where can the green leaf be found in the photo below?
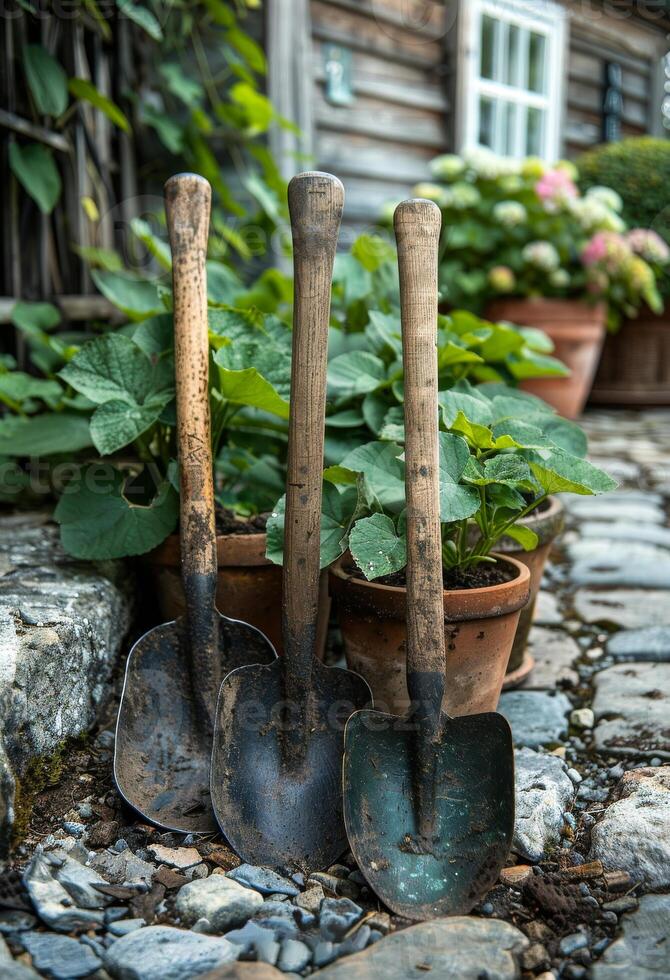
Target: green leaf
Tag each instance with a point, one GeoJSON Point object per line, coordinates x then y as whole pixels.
{"type": "Point", "coordinates": [248, 48]}
{"type": "Point", "coordinates": [511, 470]}
{"type": "Point", "coordinates": [117, 423]}
{"type": "Point", "coordinates": [44, 435]}
{"type": "Point", "coordinates": [265, 196]}
{"type": "Point", "coordinates": [35, 317]}
{"type": "Point", "coordinates": [159, 249]}
{"type": "Point", "coordinates": [336, 512]}
{"type": "Point", "coordinates": [394, 425]}
{"type": "Point", "coordinates": [98, 522]}
{"type": "Point", "coordinates": [454, 456]}
{"type": "Point", "coordinates": [104, 258]}
{"type": "Point", "coordinates": [223, 284]}
{"type": "Point", "coordinates": [373, 251]}
{"type": "Point", "coordinates": [383, 470]}
{"type": "Point", "coordinates": [142, 17]}
{"type": "Point", "coordinates": [477, 410]}
{"type": "Point", "coordinates": [376, 547]}
{"type": "Point", "coordinates": [20, 387]}
{"type": "Point", "coordinates": [249, 387]}
{"type": "Point", "coordinates": [566, 435]}
{"type": "Point", "coordinates": [374, 408]}
{"type": "Point", "coordinates": [559, 472]}
{"type": "Point", "coordinates": [170, 132]}
{"type": "Point", "coordinates": [183, 86]}
{"type": "Point", "coordinates": [383, 333]}
{"type": "Point", "coordinates": [255, 372]}
{"type": "Point", "coordinates": [137, 298]}
{"type": "Point", "coordinates": [257, 107]}
{"type": "Point", "coordinates": [46, 79]}
{"type": "Point", "coordinates": [349, 418]}
{"type": "Point", "coordinates": [478, 436]}
{"type": "Point", "coordinates": [355, 279]}
{"type": "Point", "coordinates": [81, 88]}
{"type": "Point", "coordinates": [355, 373]}
{"type": "Point", "coordinates": [33, 166]}
{"type": "Point", "coordinates": [113, 368]}
{"type": "Point", "coordinates": [450, 353]}
{"type": "Point", "coordinates": [155, 336]}
{"type": "Point", "coordinates": [527, 538]}
{"type": "Point", "coordinates": [530, 365]}
{"type": "Point", "coordinates": [456, 502]}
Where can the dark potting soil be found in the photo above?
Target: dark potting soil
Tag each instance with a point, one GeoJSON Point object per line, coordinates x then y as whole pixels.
{"type": "Point", "coordinates": [454, 579]}
{"type": "Point", "coordinates": [227, 522]}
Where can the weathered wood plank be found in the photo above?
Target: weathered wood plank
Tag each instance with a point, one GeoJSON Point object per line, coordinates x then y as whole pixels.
{"type": "Point", "coordinates": [420, 97]}
{"type": "Point", "coordinates": [383, 121]}
{"type": "Point", "coordinates": [364, 157]}
{"type": "Point", "coordinates": [429, 22]}
{"type": "Point", "coordinates": [589, 99]}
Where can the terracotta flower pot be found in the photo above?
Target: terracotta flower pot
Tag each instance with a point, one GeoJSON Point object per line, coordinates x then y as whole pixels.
{"type": "Point", "coordinates": [635, 365]}
{"type": "Point", "coordinates": [547, 524]}
{"type": "Point", "coordinates": [249, 586]}
{"type": "Point", "coordinates": [578, 333]}
{"type": "Point", "coordinates": [479, 627]}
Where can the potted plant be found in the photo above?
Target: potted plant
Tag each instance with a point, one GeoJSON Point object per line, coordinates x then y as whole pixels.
{"type": "Point", "coordinates": [523, 244]}
{"type": "Point", "coordinates": [635, 365]}
{"type": "Point", "coordinates": [500, 461]}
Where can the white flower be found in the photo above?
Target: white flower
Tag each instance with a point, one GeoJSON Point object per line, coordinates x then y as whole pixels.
{"type": "Point", "coordinates": [606, 196]}
{"type": "Point", "coordinates": [432, 192]}
{"type": "Point", "coordinates": [542, 255]}
{"type": "Point", "coordinates": [461, 196]}
{"type": "Point", "coordinates": [447, 167]}
{"type": "Point", "coordinates": [560, 278]}
{"type": "Point", "coordinates": [488, 165]}
{"type": "Point", "coordinates": [594, 215]}
{"type": "Point", "coordinates": [510, 213]}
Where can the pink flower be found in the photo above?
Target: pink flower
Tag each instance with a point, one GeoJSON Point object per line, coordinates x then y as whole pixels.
{"type": "Point", "coordinates": [556, 187]}
{"type": "Point", "coordinates": [649, 245]}
{"type": "Point", "coordinates": [608, 250]}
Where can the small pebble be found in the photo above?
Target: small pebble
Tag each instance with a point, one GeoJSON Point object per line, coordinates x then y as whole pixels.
{"type": "Point", "coordinates": [202, 925]}
{"type": "Point", "coordinates": [610, 917]}
{"type": "Point", "coordinates": [123, 926]}
{"type": "Point", "coordinates": [75, 829]}
{"type": "Point", "coordinates": [570, 944]}
{"type": "Point", "coordinates": [294, 956]}
{"type": "Point", "coordinates": [656, 762]}
{"type": "Point", "coordinates": [582, 718]}
{"type": "Point", "coordinates": [85, 810]}
{"type": "Point", "coordinates": [324, 953]}
{"type": "Point", "coordinates": [574, 776]}
{"type": "Point", "coordinates": [487, 908]}
{"type": "Point", "coordinates": [119, 846]}
{"type": "Point", "coordinates": [570, 820]}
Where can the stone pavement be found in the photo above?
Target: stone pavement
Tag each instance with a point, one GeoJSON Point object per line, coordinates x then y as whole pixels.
{"type": "Point", "coordinates": [587, 892]}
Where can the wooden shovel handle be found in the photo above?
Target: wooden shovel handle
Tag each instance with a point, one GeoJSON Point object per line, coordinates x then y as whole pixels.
{"type": "Point", "coordinates": [417, 229]}
{"type": "Point", "coordinates": [315, 203]}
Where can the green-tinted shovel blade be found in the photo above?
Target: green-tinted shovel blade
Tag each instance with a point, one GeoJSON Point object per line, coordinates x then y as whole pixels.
{"type": "Point", "coordinates": [474, 811]}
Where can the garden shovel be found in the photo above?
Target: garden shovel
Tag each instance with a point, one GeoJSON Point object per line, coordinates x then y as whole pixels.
{"type": "Point", "coordinates": [277, 759]}
{"type": "Point", "coordinates": [428, 799]}
{"type": "Point", "coordinates": [166, 717]}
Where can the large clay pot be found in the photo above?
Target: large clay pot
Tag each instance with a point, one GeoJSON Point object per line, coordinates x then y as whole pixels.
{"type": "Point", "coordinates": [479, 628]}
{"type": "Point", "coordinates": [248, 588]}
{"type": "Point", "coordinates": [635, 365]}
{"type": "Point", "coordinates": [547, 524]}
{"type": "Point", "coordinates": [578, 333]}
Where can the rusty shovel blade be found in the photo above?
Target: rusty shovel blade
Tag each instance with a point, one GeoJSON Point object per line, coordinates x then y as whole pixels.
{"type": "Point", "coordinates": [473, 817]}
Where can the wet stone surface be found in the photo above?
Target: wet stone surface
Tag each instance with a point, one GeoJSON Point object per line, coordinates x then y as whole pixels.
{"type": "Point", "coordinates": [536, 717]}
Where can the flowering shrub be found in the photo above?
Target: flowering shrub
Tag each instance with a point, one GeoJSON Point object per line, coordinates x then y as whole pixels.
{"type": "Point", "coordinates": [524, 228]}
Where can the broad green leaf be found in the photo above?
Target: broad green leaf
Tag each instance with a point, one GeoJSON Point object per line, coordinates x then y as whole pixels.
{"type": "Point", "coordinates": [137, 298]}
{"type": "Point", "coordinates": [526, 537]}
{"type": "Point", "coordinates": [373, 251]}
{"type": "Point", "coordinates": [155, 336]}
{"type": "Point", "coordinates": [512, 470]}
{"type": "Point", "coordinates": [186, 88]}
{"type": "Point", "coordinates": [142, 17]}
{"type": "Point", "coordinates": [454, 456]}
{"type": "Point", "coordinates": [450, 353]}
{"type": "Point", "coordinates": [44, 435]}
{"type": "Point", "coordinates": [383, 470]}
{"type": "Point", "coordinates": [46, 79]}
{"type": "Point", "coordinates": [374, 408]}
{"type": "Point", "coordinates": [98, 522]}
{"type": "Point", "coordinates": [103, 258]}
{"type": "Point", "coordinates": [531, 365]}
{"type": "Point", "coordinates": [383, 333]}
{"type": "Point", "coordinates": [16, 386]}
{"type": "Point", "coordinates": [376, 547]}
{"type": "Point", "coordinates": [559, 472]}
{"type": "Point", "coordinates": [116, 424]}
{"type": "Point", "coordinates": [223, 285]}
{"type": "Point", "coordinates": [522, 434]}
{"type": "Point", "coordinates": [348, 418]}
{"type": "Point", "coordinates": [265, 196]}
{"type": "Point", "coordinates": [504, 340]}
{"type": "Point", "coordinates": [113, 368]}
{"type": "Point", "coordinates": [355, 280]}
{"type": "Point", "coordinates": [248, 48]}
{"type": "Point", "coordinates": [337, 509]}
{"type": "Point", "coordinates": [170, 132]}
{"type": "Point", "coordinates": [537, 340]}
{"type": "Point", "coordinates": [340, 475]}
{"type": "Point", "coordinates": [355, 373]}
{"type": "Point", "coordinates": [81, 88]}
{"type": "Point", "coordinates": [456, 502]}
{"type": "Point", "coordinates": [393, 428]}
{"type": "Point", "coordinates": [33, 166]}
{"type": "Point", "coordinates": [478, 436]}
{"type": "Point", "coordinates": [473, 408]}
{"type": "Point", "coordinates": [159, 249]}
{"type": "Point", "coordinates": [257, 107]}
{"type": "Point", "coordinates": [35, 317]}
{"type": "Point", "coordinates": [249, 387]}
{"type": "Point", "coordinates": [566, 435]}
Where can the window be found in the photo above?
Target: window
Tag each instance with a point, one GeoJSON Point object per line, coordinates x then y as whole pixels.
{"type": "Point", "coordinates": [511, 79]}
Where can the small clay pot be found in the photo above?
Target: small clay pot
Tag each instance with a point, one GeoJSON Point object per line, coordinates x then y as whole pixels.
{"type": "Point", "coordinates": [249, 586]}
{"type": "Point", "coordinates": [578, 333]}
{"type": "Point", "coordinates": [547, 524]}
{"type": "Point", "coordinates": [479, 628]}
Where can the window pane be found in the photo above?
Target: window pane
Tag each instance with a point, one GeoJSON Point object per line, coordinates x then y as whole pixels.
{"type": "Point", "coordinates": [537, 56]}
{"type": "Point", "coordinates": [486, 121]}
{"type": "Point", "coordinates": [509, 129]}
{"type": "Point", "coordinates": [534, 131]}
{"type": "Point", "coordinates": [488, 47]}
{"type": "Point", "coordinates": [513, 55]}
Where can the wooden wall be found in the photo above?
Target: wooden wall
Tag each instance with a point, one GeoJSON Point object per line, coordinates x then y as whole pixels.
{"type": "Point", "coordinates": [380, 144]}
{"type": "Point", "coordinates": [594, 39]}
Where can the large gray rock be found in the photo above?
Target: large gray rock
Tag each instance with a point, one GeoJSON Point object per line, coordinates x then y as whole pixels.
{"type": "Point", "coordinates": [643, 951]}
{"type": "Point", "coordinates": [626, 531]}
{"type": "Point", "coordinates": [632, 709]}
{"type": "Point", "coordinates": [536, 717]}
{"type": "Point", "coordinates": [649, 643]}
{"type": "Point", "coordinates": [62, 625]}
{"type": "Point", "coordinates": [164, 953]}
{"type": "Point", "coordinates": [60, 957]}
{"type": "Point", "coordinates": [544, 792]}
{"type": "Point", "coordinates": [11, 969]}
{"type": "Point", "coordinates": [52, 902]}
{"type": "Point", "coordinates": [634, 833]}
{"type": "Point", "coordinates": [459, 948]}
{"type": "Point", "coordinates": [220, 900]}
{"type": "Point", "coordinates": [627, 608]}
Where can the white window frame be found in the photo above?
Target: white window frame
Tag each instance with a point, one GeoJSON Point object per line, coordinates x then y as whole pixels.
{"type": "Point", "coordinates": [542, 16]}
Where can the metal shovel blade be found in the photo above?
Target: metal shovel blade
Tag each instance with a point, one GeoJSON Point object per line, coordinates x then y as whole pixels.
{"type": "Point", "coordinates": [163, 748]}
{"type": "Point", "coordinates": [473, 808]}
{"type": "Point", "coordinates": [276, 812]}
